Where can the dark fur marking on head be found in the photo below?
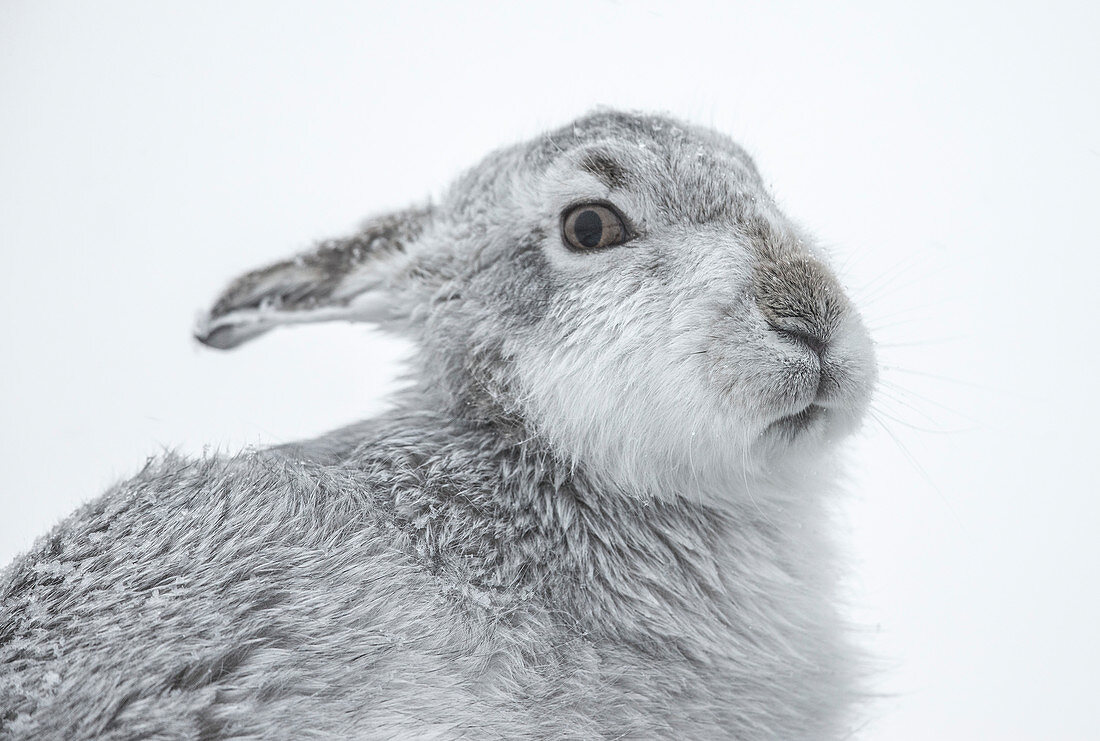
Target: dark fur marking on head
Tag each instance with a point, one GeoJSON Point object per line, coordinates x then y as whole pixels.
{"type": "Point", "coordinates": [610, 172]}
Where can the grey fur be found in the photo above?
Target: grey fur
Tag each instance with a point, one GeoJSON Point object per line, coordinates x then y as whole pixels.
{"type": "Point", "coordinates": [600, 510]}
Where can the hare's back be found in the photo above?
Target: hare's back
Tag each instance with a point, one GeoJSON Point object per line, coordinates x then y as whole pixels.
{"type": "Point", "coordinates": [222, 597]}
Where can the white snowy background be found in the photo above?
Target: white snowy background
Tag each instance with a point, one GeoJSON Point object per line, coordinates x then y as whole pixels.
{"type": "Point", "coordinates": [947, 153]}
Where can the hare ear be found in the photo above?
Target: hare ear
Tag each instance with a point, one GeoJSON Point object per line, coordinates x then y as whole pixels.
{"type": "Point", "coordinates": [344, 279]}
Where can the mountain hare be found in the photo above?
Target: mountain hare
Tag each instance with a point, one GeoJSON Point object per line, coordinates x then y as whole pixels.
{"type": "Point", "coordinates": [599, 510]}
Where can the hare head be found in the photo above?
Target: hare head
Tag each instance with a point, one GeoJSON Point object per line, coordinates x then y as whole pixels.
{"type": "Point", "coordinates": [622, 290]}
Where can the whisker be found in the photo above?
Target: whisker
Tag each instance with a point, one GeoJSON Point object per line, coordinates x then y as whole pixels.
{"type": "Point", "coordinates": [877, 328]}
{"type": "Point", "coordinates": [916, 466]}
{"type": "Point", "coordinates": [919, 428]}
{"type": "Point", "coordinates": [886, 383]}
{"type": "Point", "coordinates": [898, 288]}
{"type": "Point", "coordinates": [923, 308]}
{"type": "Point", "coordinates": [938, 377]}
{"type": "Point", "coordinates": [924, 343]}
{"type": "Point", "coordinates": [892, 395]}
{"type": "Point", "coordinates": [883, 281]}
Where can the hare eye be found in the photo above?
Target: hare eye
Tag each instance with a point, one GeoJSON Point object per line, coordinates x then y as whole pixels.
{"type": "Point", "coordinates": [591, 226]}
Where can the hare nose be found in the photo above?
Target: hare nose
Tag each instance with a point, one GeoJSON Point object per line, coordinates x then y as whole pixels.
{"type": "Point", "coordinates": [799, 298]}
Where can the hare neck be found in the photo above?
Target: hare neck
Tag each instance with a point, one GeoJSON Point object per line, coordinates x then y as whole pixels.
{"type": "Point", "coordinates": [500, 519]}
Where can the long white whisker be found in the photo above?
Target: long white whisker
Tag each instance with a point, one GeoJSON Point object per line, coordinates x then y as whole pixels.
{"type": "Point", "coordinates": [916, 465]}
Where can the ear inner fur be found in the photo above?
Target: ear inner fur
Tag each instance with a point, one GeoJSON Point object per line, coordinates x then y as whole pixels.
{"type": "Point", "coordinates": [317, 285]}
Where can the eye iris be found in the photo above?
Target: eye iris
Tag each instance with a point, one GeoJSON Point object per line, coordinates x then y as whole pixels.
{"type": "Point", "coordinates": [589, 228]}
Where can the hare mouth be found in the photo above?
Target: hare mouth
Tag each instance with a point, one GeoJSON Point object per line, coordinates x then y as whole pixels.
{"type": "Point", "coordinates": [793, 424]}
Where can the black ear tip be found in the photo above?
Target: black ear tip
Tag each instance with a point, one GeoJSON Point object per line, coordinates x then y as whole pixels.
{"type": "Point", "coordinates": [219, 339]}
{"type": "Point", "coordinates": [224, 335]}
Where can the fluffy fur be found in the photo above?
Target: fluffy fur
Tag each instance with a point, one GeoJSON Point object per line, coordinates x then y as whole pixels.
{"type": "Point", "coordinates": [599, 511]}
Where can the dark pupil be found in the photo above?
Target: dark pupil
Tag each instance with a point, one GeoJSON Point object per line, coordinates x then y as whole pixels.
{"type": "Point", "coordinates": [589, 228]}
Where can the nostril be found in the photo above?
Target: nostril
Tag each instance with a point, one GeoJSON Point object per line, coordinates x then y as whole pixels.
{"type": "Point", "coordinates": [810, 339]}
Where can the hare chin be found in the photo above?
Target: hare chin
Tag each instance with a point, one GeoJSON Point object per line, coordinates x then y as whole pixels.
{"type": "Point", "coordinates": [794, 425]}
